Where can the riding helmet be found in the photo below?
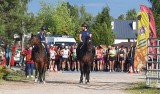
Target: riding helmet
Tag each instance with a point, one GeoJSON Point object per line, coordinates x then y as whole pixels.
{"type": "Point", "coordinates": [44, 28]}
{"type": "Point", "coordinates": [84, 25]}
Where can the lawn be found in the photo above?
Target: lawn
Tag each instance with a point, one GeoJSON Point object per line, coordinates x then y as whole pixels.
{"type": "Point", "coordinates": [140, 88]}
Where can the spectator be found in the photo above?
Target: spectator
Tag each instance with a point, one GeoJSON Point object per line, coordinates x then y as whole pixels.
{"type": "Point", "coordinates": [7, 50]}
{"type": "Point", "coordinates": [131, 56]}
{"type": "Point", "coordinates": [99, 56]}
{"type": "Point", "coordinates": [122, 58]}
{"type": "Point", "coordinates": [53, 54]}
{"type": "Point", "coordinates": [65, 55]}
{"type": "Point", "coordinates": [29, 61]}
{"type": "Point", "coordinates": [112, 58]}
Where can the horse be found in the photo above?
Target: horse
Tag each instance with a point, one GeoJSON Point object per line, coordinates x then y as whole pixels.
{"type": "Point", "coordinates": [39, 56]}
{"type": "Point", "coordinates": [85, 55]}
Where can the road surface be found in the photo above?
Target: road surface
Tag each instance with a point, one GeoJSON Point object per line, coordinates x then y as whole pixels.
{"type": "Point", "coordinates": [68, 83]}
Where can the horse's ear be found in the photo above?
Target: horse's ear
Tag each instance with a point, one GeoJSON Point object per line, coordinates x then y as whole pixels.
{"type": "Point", "coordinates": [32, 35]}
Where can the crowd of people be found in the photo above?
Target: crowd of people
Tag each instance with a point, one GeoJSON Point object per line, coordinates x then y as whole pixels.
{"type": "Point", "coordinates": [106, 58]}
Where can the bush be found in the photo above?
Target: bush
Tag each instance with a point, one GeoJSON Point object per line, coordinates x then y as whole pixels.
{"type": "Point", "coordinates": [15, 76]}
{"type": "Point", "coordinates": [9, 74]}
{"type": "Point", "coordinates": [3, 72]}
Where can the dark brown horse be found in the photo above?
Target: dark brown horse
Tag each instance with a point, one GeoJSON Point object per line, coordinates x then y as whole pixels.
{"type": "Point", "coordinates": [39, 56]}
{"type": "Point", "coordinates": [85, 55]}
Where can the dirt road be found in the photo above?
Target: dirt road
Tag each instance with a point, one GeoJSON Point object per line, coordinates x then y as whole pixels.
{"type": "Point", "coordinates": [68, 83]}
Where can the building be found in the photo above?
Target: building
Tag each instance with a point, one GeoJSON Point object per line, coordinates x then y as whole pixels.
{"type": "Point", "coordinates": [125, 30]}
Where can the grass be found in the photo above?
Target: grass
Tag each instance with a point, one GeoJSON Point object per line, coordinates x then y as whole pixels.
{"type": "Point", "coordinates": [140, 88]}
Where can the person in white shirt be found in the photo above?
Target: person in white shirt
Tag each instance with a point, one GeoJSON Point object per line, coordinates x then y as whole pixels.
{"type": "Point", "coordinates": [65, 55]}
{"type": "Point", "coordinates": [52, 57]}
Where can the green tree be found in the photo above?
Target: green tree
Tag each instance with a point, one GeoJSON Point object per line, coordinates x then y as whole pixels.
{"type": "Point", "coordinates": [121, 17]}
{"type": "Point", "coordinates": [131, 15]}
{"type": "Point", "coordinates": [75, 14]}
{"type": "Point", "coordinates": [12, 14]}
{"type": "Point", "coordinates": [84, 16]}
{"type": "Point", "coordinates": [102, 33]}
{"type": "Point", "coordinates": [63, 20]}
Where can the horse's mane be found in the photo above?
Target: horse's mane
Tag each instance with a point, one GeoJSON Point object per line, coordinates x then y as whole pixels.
{"type": "Point", "coordinates": [34, 40]}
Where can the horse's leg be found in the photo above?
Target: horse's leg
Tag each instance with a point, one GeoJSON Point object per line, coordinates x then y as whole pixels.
{"type": "Point", "coordinates": [36, 72]}
{"type": "Point", "coordinates": [82, 71]}
{"type": "Point", "coordinates": [40, 70]}
{"type": "Point", "coordinates": [44, 71]}
{"type": "Point", "coordinates": [88, 73]}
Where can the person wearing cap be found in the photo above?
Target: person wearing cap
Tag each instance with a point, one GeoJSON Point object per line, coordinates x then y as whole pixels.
{"type": "Point", "coordinates": [84, 33]}
{"type": "Point", "coordinates": [43, 38]}
{"type": "Point", "coordinates": [42, 34]}
{"type": "Point", "coordinates": [82, 37]}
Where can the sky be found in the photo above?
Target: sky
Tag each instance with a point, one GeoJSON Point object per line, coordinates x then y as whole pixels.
{"type": "Point", "coordinates": [117, 7]}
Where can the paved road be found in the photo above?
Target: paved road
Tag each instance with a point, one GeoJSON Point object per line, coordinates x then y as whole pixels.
{"type": "Point", "coordinates": [67, 83]}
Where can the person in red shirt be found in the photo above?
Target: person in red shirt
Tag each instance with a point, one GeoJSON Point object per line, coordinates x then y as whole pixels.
{"type": "Point", "coordinates": [29, 62]}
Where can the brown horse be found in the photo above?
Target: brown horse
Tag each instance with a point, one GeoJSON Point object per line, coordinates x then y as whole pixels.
{"type": "Point", "coordinates": [39, 56]}
{"type": "Point", "coordinates": [85, 54]}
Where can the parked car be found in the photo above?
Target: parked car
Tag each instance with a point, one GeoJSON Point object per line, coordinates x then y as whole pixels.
{"type": "Point", "coordinates": [17, 56]}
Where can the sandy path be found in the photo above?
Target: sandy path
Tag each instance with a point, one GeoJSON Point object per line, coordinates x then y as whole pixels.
{"type": "Point", "coordinates": [67, 83]}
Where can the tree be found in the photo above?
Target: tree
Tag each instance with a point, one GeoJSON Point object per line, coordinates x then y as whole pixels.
{"type": "Point", "coordinates": [12, 14]}
{"type": "Point", "coordinates": [121, 17]}
{"type": "Point", "coordinates": [102, 33]}
{"type": "Point", "coordinates": [84, 16]}
{"type": "Point", "coordinates": [63, 20]}
{"type": "Point", "coordinates": [131, 15]}
{"type": "Point", "coordinates": [74, 12]}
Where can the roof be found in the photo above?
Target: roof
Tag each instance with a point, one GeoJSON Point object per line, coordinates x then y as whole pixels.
{"type": "Point", "coordinates": [123, 29]}
{"type": "Point", "coordinates": [125, 44]}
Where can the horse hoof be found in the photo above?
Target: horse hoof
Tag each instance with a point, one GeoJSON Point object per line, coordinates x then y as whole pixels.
{"type": "Point", "coordinates": [80, 82]}
{"type": "Point", "coordinates": [36, 80]}
{"type": "Point", "coordinates": [44, 82]}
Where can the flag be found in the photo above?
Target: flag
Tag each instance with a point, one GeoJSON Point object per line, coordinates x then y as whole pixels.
{"type": "Point", "coordinates": [142, 39]}
{"type": "Point", "coordinates": [152, 25]}
{"type": "Point", "coordinates": [152, 32]}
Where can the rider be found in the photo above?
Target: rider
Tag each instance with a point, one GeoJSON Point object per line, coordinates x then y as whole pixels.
{"type": "Point", "coordinates": [43, 37]}
{"type": "Point", "coordinates": [84, 33]}
{"type": "Point", "coordinates": [82, 36]}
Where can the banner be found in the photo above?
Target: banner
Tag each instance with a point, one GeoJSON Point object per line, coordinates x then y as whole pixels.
{"type": "Point", "coordinates": [152, 25]}
{"type": "Point", "coordinates": [152, 33]}
{"type": "Point", "coordinates": [142, 38]}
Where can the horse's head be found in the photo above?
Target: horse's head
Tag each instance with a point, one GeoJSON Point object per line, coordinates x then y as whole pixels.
{"type": "Point", "coordinates": [88, 40]}
{"type": "Point", "coordinates": [88, 43]}
{"type": "Point", "coordinates": [34, 40]}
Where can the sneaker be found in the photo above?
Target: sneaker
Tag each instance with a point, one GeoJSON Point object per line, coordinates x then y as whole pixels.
{"type": "Point", "coordinates": [32, 76]}
{"type": "Point", "coordinates": [27, 76]}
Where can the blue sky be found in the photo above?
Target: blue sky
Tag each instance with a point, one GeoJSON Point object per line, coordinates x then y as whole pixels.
{"type": "Point", "coordinates": [117, 7]}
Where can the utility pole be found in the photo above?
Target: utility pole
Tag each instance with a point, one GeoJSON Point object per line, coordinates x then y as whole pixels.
{"type": "Point", "coordinates": [23, 36]}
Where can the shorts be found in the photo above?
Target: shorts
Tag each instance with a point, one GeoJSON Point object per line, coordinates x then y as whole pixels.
{"type": "Point", "coordinates": [74, 58]}
{"type": "Point", "coordinates": [98, 59]}
{"type": "Point", "coordinates": [64, 59]}
{"type": "Point", "coordinates": [112, 58]}
{"type": "Point", "coordinates": [121, 58]}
